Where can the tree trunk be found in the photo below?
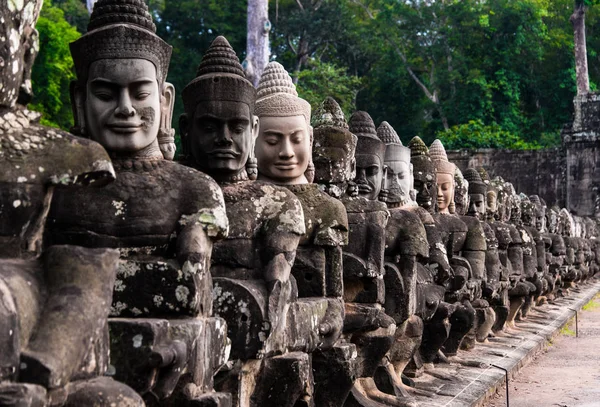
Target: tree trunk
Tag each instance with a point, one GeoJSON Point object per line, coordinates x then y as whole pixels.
{"type": "Point", "coordinates": [90, 5]}
{"type": "Point", "coordinates": [581, 65]}
{"type": "Point", "coordinates": [257, 46]}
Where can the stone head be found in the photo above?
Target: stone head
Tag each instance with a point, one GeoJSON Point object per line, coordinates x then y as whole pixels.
{"type": "Point", "coordinates": [284, 144]}
{"type": "Point", "coordinates": [591, 228]}
{"type": "Point", "coordinates": [370, 155]}
{"type": "Point", "coordinates": [120, 98]}
{"type": "Point", "coordinates": [219, 127]}
{"type": "Point", "coordinates": [477, 194]}
{"type": "Point", "coordinates": [502, 196]}
{"type": "Point", "coordinates": [445, 171]}
{"type": "Point", "coordinates": [460, 205]}
{"type": "Point", "coordinates": [424, 174]}
{"type": "Point", "coordinates": [552, 220]}
{"type": "Point", "coordinates": [334, 148]}
{"type": "Point", "coordinates": [565, 223]}
{"type": "Point", "coordinates": [527, 211]}
{"type": "Point", "coordinates": [540, 213]}
{"type": "Point", "coordinates": [19, 50]}
{"type": "Point", "coordinates": [399, 178]}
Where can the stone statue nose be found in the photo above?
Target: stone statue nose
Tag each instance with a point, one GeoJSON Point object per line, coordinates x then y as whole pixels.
{"type": "Point", "coordinates": [224, 138]}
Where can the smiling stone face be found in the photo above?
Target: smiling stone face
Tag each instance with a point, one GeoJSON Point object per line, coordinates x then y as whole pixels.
{"type": "Point", "coordinates": [283, 149]}
{"type": "Point", "coordinates": [122, 105]}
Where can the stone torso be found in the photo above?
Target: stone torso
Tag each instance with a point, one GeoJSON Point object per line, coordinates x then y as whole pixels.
{"type": "Point", "coordinates": [141, 212]}
{"type": "Point", "coordinates": [254, 209]}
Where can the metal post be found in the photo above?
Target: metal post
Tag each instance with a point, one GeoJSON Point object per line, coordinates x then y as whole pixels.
{"type": "Point", "coordinates": [506, 376]}
{"type": "Point", "coordinates": [576, 322]}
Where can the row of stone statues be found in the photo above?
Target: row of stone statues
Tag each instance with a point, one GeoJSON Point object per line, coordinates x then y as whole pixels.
{"type": "Point", "coordinates": [288, 259]}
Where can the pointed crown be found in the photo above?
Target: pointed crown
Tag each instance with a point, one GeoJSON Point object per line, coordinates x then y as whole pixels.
{"type": "Point", "coordinates": [438, 155]}
{"type": "Point", "coordinates": [219, 77]}
{"type": "Point", "coordinates": [277, 95]}
{"type": "Point", "coordinates": [121, 29]}
{"type": "Point", "coordinates": [387, 134]}
{"type": "Point", "coordinates": [362, 125]}
{"type": "Point", "coordinates": [329, 113]}
{"type": "Point", "coordinates": [395, 151]}
{"type": "Point", "coordinates": [476, 185]}
{"type": "Point", "coordinates": [330, 128]}
{"type": "Point", "coordinates": [418, 147]}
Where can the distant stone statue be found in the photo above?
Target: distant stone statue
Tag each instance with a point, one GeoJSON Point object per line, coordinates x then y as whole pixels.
{"type": "Point", "coordinates": [162, 216]}
{"type": "Point", "coordinates": [54, 300]}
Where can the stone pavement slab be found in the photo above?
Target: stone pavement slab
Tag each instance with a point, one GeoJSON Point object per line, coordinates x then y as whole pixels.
{"type": "Point", "coordinates": [474, 386]}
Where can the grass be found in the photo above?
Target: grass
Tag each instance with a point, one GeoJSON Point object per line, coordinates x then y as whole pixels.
{"type": "Point", "coordinates": [593, 304]}
{"type": "Point", "coordinates": [566, 330]}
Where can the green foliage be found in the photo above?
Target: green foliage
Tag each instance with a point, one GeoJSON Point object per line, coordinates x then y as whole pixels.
{"type": "Point", "coordinates": [475, 134]}
{"type": "Point", "coordinates": [323, 79]}
{"type": "Point", "coordinates": [76, 13]}
{"type": "Point", "coordinates": [53, 68]}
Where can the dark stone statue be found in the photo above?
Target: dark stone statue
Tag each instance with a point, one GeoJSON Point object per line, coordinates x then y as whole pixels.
{"type": "Point", "coordinates": [54, 300]}
{"type": "Point", "coordinates": [271, 329]}
{"type": "Point", "coordinates": [162, 216]}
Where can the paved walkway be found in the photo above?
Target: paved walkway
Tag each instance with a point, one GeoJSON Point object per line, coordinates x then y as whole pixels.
{"type": "Point", "coordinates": [566, 374]}
{"type": "Point", "coordinates": [476, 386]}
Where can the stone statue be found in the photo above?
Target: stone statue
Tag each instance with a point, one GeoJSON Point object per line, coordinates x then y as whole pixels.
{"type": "Point", "coordinates": [272, 331]}
{"type": "Point", "coordinates": [54, 300]}
{"type": "Point", "coordinates": [466, 249]}
{"type": "Point", "coordinates": [366, 324]}
{"type": "Point", "coordinates": [283, 150]}
{"type": "Point", "coordinates": [406, 247]}
{"type": "Point", "coordinates": [520, 289]}
{"type": "Point", "coordinates": [491, 282]}
{"type": "Point", "coordinates": [434, 274]}
{"type": "Point", "coordinates": [496, 257]}
{"type": "Point", "coordinates": [162, 216]}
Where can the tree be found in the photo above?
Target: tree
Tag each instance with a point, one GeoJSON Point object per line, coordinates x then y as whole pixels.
{"type": "Point", "coordinates": [53, 69]}
{"type": "Point", "coordinates": [257, 46]}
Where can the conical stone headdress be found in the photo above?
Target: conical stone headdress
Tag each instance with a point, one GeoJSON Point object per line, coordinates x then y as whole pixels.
{"type": "Point", "coordinates": [121, 29]}
{"type": "Point", "coordinates": [362, 125]}
{"type": "Point", "coordinates": [330, 128]}
{"type": "Point", "coordinates": [277, 95]}
{"type": "Point", "coordinates": [419, 156]}
{"type": "Point", "coordinates": [220, 77]}
{"type": "Point", "coordinates": [438, 155]}
{"type": "Point", "coordinates": [476, 185]}
{"type": "Point", "coordinates": [395, 151]}
{"type": "Point", "coordinates": [333, 142]}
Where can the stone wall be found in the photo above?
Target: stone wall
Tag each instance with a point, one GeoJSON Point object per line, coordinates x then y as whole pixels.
{"type": "Point", "coordinates": [568, 176]}
{"type": "Point", "coordinates": [540, 172]}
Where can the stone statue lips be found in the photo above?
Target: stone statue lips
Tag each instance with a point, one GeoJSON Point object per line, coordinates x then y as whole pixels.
{"type": "Point", "coordinates": [224, 153]}
{"type": "Point", "coordinates": [364, 189]}
{"type": "Point", "coordinates": [285, 166]}
{"type": "Point", "coordinates": [125, 127]}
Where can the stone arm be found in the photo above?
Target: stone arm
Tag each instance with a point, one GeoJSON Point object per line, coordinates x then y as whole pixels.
{"type": "Point", "coordinates": [332, 238]}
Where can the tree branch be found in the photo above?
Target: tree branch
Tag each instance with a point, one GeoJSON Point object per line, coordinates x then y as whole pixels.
{"type": "Point", "coordinates": [289, 41]}
{"type": "Point", "coordinates": [300, 5]}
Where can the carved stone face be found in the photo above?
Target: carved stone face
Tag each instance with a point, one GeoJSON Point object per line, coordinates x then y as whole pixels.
{"type": "Point", "coordinates": [515, 208]}
{"type": "Point", "coordinates": [445, 191]}
{"type": "Point", "coordinates": [491, 206]}
{"type": "Point", "coordinates": [333, 164]}
{"type": "Point", "coordinates": [283, 149]}
{"type": "Point", "coordinates": [399, 181]}
{"type": "Point", "coordinates": [425, 185]}
{"type": "Point", "coordinates": [122, 104]}
{"type": "Point", "coordinates": [477, 206]}
{"type": "Point", "coordinates": [540, 219]}
{"type": "Point", "coordinates": [461, 195]}
{"type": "Point", "coordinates": [552, 220]}
{"type": "Point", "coordinates": [220, 136]}
{"type": "Point", "coordinates": [369, 175]}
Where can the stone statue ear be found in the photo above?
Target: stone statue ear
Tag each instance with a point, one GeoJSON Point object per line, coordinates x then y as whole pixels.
{"type": "Point", "coordinates": [78, 106]}
{"type": "Point", "coordinates": [252, 163]}
{"type": "Point", "coordinates": [166, 134]}
{"type": "Point", "coordinates": [184, 131]}
{"type": "Point", "coordinates": [352, 168]}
